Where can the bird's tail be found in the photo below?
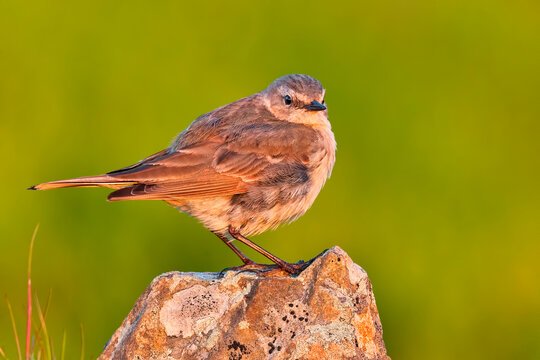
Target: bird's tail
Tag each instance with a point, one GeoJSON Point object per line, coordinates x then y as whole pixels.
{"type": "Point", "coordinates": [85, 181]}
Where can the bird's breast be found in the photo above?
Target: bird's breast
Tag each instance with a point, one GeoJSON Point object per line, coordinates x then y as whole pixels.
{"type": "Point", "coordinates": [321, 162]}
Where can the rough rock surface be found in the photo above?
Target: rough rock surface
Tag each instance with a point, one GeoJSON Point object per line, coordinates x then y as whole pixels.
{"type": "Point", "coordinates": [326, 312]}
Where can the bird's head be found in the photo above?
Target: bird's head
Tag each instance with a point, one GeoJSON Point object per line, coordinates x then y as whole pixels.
{"type": "Point", "coordinates": [297, 98]}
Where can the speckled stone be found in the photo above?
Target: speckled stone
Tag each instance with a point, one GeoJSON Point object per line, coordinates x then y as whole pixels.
{"type": "Point", "coordinates": [326, 312]}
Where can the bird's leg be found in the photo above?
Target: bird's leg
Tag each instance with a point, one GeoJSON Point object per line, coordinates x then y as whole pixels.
{"type": "Point", "coordinates": [249, 265]}
{"type": "Point", "coordinates": [240, 254]}
{"type": "Point", "coordinates": [290, 268]}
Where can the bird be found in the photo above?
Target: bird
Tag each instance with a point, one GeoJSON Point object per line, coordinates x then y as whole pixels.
{"type": "Point", "coordinates": [241, 169]}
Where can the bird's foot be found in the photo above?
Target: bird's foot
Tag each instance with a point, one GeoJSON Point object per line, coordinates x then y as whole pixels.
{"type": "Point", "coordinates": [269, 270]}
{"type": "Point", "coordinates": [295, 268]}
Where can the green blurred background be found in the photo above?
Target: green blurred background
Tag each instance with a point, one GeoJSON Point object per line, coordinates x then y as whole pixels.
{"type": "Point", "coordinates": [435, 108]}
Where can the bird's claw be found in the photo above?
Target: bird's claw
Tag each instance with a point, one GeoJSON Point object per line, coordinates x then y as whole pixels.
{"type": "Point", "coordinates": [268, 269]}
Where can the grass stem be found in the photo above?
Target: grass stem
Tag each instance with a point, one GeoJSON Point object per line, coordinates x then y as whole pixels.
{"type": "Point", "coordinates": [14, 326]}
{"type": "Point", "coordinates": [29, 295]}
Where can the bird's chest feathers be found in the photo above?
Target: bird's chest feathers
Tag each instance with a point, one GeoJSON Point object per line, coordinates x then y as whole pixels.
{"type": "Point", "coordinates": [322, 161]}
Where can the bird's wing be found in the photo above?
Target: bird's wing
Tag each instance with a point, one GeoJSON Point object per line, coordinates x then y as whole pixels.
{"type": "Point", "coordinates": [187, 173]}
{"type": "Point", "coordinates": [220, 166]}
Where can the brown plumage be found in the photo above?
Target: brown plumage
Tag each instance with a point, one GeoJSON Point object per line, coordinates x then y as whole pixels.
{"type": "Point", "coordinates": [241, 169]}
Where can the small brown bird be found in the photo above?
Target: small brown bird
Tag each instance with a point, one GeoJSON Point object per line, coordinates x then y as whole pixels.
{"type": "Point", "coordinates": [241, 169]}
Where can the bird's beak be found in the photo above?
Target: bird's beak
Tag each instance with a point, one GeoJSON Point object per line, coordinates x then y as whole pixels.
{"type": "Point", "coordinates": [315, 106]}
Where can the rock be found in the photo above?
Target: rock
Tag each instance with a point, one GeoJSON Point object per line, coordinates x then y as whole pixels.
{"type": "Point", "coordinates": [326, 312]}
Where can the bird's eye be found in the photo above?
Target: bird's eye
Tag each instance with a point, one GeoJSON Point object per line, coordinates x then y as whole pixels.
{"type": "Point", "coordinates": [287, 99]}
